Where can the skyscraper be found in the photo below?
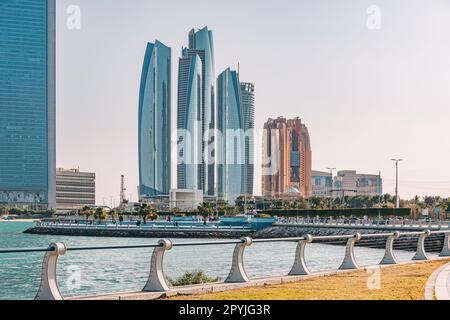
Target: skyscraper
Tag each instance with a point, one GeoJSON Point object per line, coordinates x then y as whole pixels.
{"type": "Point", "coordinates": [230, 145]}
{"type": "Point", "coordinates": [190, 121]}
{"type": "Point", "coordinates": [287, 158]}
{"type": "Point", "coordinates": [248, 109]}
{"type": "Point", "coordinates": [154, 122]}
{"type": "Point", "coordinates": [27, 104]}
{"type": "Point", "coordinates": [202, 43]}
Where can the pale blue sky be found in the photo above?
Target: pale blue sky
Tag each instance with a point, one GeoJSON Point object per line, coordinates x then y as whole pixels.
{"type": "Point", "coordinates": [365, 95]}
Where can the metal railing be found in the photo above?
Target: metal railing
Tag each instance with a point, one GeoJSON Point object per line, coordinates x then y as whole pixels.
{"type": "Point", "coordinates": [372, 224]}
{"type": "Point", "coordinates": [156, 282]}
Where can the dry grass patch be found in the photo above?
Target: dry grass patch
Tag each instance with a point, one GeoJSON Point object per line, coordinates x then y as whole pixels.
{"type": "Point", "coordinates": [401, 282]}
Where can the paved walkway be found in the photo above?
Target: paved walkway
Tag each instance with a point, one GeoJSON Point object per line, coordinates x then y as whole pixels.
{"type": "Point", "coordinates": [438, 286]}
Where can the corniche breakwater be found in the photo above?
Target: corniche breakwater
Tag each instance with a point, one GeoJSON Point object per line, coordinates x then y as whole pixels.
{"type": "Point", "coordinates": [433, 243]}
{"type": "Point", "coordinates": [173, 233]}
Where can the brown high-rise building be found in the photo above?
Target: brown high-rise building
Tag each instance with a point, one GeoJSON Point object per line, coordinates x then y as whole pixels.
{"type": "Point", "coordinates": [287, 158]}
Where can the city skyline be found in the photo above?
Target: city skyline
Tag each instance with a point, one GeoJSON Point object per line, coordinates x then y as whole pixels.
{"type": "Point", "coordinates": [379, 100]}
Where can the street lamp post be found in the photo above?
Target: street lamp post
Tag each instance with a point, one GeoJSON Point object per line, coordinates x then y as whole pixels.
{"type": "Point", "coordinates": [331, 188]}
{"type": "Point", "coordinates": [397, 199]}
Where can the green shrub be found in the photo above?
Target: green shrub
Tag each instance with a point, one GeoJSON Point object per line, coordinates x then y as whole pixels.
{"type": "Point", "coordinates": [370, 212]}
{"type": "Point", "coordinates": [191, 278]}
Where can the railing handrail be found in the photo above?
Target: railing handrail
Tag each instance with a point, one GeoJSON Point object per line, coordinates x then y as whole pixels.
{"type": "Point", "coordinates": [130, 226]}
{"type": "Point", "coordinates": [26, 250]}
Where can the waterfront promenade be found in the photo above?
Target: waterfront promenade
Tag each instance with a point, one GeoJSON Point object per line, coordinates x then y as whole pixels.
{"type": "Point", "coordinates": [157, 287]}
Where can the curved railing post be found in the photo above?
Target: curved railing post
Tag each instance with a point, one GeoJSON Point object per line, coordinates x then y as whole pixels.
{"type": "Point", "coordinates": [446, 248]}
{"type": "Point", "coordinates": [349, 260]}
{"type": "Point", "coordinates": [421, 254]}
{"type": "Point", "coordinates": [48, 288]}
{"type": "Point", "coordinates": [156, 280]}
{"type": "Point", "coordinates": [237, 272]}
{"type": "Point", "coordinates": [389, 257]}
{"type": "Point", "coordinates": [300, 268]}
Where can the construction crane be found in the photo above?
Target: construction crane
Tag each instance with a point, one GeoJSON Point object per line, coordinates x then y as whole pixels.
{"type": "Point", "coordinates": [123, 200]}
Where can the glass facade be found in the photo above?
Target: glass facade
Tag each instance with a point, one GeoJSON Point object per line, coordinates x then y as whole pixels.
{"type": "Point", "coordinates": [154, 122]}
{"type": "Point", "coordinates": [202, 42]}
{"type": "Point", "coordinates": [248, 107]}
{"type": "Point", "coordinates": [190, 121]}
{"type": "Point", "coordinates": [231, 146]}
{"type": "Point", "coordinates": [321, 184]}
{"type": "Point", "coordinates": [27, 103]}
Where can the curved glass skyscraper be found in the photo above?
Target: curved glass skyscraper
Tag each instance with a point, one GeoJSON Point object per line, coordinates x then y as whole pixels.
{"type": "Point", "coordinates": [231, 143]}
{"type": "Point", "coordinates": [154, 122]}
{"type": "Point", "coordinates": [202, 43]}
{"type": "Point", "coordinates": [190, 121]}
{"type": "Point", "coordinates": [27, 104]}
{"type": "Point", "coordinates": [248, 109]}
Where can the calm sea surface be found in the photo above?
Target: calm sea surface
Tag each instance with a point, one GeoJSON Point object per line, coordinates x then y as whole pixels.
{"type": "Point", "coordinates": [96, 272]}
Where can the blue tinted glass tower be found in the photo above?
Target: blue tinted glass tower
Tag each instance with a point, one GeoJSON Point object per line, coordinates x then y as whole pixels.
{"type": "Point", "coordinates": [248, 109]}
{"type": "Point", "coordinates": [154, 122]}
{"type": "Point", "coordinates": [201, 41]}
{"type": "Point", "coordinates": [190, 121]}
{"type": "Point", "coordinates": [231, 143]}
{"type": "Point", "coordinates": [27, 104]}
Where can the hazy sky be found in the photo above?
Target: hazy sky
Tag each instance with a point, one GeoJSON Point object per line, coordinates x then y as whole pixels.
{"type": "Point", "coordinates": [365, 95]}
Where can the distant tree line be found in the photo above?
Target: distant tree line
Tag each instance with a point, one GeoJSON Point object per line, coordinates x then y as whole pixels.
{"type": "Point", "coordinates": [346, 202]}
{"type": "Point", "coordinates": [24, 212]}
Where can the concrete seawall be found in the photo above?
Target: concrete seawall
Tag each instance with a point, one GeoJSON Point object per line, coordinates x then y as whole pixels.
{"type": "Point", "coordinates": [140, 233]}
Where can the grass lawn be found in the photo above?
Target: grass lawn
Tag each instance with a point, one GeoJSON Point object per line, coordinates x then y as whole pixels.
{"type": "Point", "coordinates": [401, 282]}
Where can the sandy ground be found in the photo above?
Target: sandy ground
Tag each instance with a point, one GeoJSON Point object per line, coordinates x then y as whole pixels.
{"type": "Point", "coordinates": [402, 282]}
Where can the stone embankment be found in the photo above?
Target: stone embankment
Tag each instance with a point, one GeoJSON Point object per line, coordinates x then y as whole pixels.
{"type": "Point", "coordinates": [141, 233]}
{"type": "Point", "coordinates": [434, 243]}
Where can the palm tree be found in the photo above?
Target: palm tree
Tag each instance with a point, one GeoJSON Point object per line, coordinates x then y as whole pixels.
{"type": "Point", "coordinates": [147, 210]}
{"type": "Point", "coordinates": [205, 210]}
{"type": "Point", "coordinates": [86, 212]}
{"type": "Point", "coordinates": [113, 213]}
{"type": "Point", "coordinates": [100, 214]}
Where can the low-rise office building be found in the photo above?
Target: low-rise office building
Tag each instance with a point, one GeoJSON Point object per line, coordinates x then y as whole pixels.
{"type": "Point", "coordinates": [356, 184]}
{"type": "Point", "coordinates": [185, 199]}
{"type": "Point", "coordinates": [74, 190]}
{"type": "Point", "coordinates": [321, 184]}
